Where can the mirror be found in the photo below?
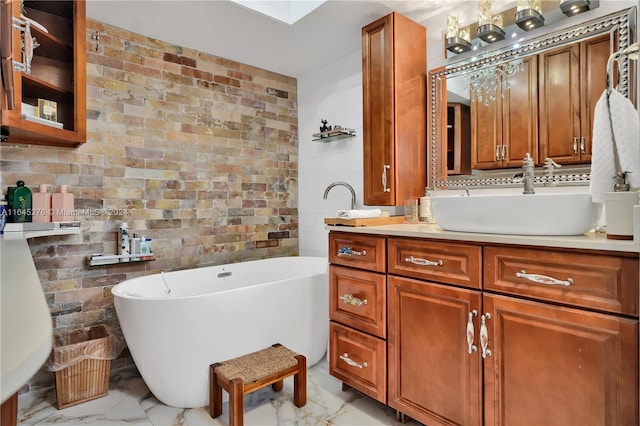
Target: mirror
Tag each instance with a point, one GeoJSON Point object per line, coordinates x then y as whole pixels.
{"type": "Point", "coordinates": [495, 161]}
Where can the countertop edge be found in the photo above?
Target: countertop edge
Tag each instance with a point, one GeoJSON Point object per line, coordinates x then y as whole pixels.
{"type": "Point", "coordinates": [25, 321]}
{"type": "Point", "coordinates": [588, 241]}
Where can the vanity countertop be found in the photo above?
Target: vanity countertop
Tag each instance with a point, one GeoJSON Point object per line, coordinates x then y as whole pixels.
{"type": "Point", "coordinates": [25, 321]}
{"type": "Point", "coordinates": [588, 241]}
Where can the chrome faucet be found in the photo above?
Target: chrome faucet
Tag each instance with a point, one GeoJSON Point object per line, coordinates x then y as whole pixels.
{"type": "Point", "coordinates": [353, 193]}
{"type": "Point", "coordinates": [549, 167]}
{"type": "Point", "coordinates": [528, 174]}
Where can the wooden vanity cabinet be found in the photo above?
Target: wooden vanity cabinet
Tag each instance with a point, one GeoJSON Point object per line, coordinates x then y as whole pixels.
{"type": "Point", "coordinates": [505, 129]}
{"type": "Point", "coordinates": [58, 73]}
{"type": "Point", "coordinates": [488, 334]}
{"type": "Point", "coordinates": [572, 79]}
{"type": "Point", "coordinates": [394, 64]}
{"type": "Point", "coordinates": [358, 312]}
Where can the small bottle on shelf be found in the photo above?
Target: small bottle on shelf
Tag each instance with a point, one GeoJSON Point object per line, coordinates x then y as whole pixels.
{"type": "Point", "coordinates": [62, 205]}
{"type": "Point", "coordinates": [42, 205]}
{"type": "Point", "coordinates": [19, 199]}
{"type": "Point", "coordinates": [124, 243]}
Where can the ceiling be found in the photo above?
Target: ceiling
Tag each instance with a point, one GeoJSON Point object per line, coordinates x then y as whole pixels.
{"type": "Point", "coordinates": [226, 29]}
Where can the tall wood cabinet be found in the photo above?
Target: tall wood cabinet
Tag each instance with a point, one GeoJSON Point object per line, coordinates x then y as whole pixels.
{"type": "Point", "coordinates": [505, 129]}
{"type": "Point", "coordinates": [394, 68]}
{"type": "Point", "coordinates": [491, 334]}
{"type": "Point", "coordinates": [572, 79]}
{"type": "Point", "coordinates": [58, 74]}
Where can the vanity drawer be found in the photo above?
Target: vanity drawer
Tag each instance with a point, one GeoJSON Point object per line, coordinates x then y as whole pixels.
{"type": "Point", "coordinates": [359, 360]}
{"type": "Point", "coordinates": [357, 250]}
{"type": "Point", "coordinates": [358, 298]}
{"type": "Point", "coordinates": [444, 262]}
{"type": "Point", "coordinates": [602, 282]}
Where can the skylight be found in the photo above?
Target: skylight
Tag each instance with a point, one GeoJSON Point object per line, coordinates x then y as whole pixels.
{"type": "Point", "coordinates": [288, 11]}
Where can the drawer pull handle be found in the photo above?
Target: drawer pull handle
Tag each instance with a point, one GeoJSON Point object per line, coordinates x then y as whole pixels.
{"type": "Point", "coordinates": [484, 335]}
{"type": "Point", "coordinates": [423, 262]}
{"type": "Point", "coordinates": [348, 299]}
{"type": "Point", "coordinates": [351, 362]}
{"type": "Point", "coordinates": [543, 279]}
{"type": "Point", "coordinates": [471, 332]}
{"type": "Point", "coordinates": [348, 251]}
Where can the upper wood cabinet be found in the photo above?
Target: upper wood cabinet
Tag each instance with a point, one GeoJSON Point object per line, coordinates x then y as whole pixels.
{"type": "Point", "coordinates": [572, 79]}
{"type": "Point", "coordinates": [58, 74]}
{"type": "Point", "coordinates": [505, 128]}
{"type": "Point", "coordinates": [394, 64]}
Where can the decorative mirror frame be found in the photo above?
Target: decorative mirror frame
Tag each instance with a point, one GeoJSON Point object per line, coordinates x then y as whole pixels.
{"type": "Point", "coordinates": [622, 22]}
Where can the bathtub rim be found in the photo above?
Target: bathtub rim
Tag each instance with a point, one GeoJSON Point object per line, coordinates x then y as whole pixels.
{"type": "Point", "coordinates": [117, 290]}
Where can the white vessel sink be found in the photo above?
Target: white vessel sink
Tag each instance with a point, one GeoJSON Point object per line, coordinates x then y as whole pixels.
{"type": "Point", "coordinates": [550, 211]}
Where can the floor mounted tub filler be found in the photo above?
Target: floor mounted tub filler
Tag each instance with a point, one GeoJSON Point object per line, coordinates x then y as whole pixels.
{"type": "Point", "coordinates": [178, 323]}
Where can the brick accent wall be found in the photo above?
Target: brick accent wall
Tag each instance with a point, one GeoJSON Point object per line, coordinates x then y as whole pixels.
{"type": "Point", "coordinates": [195, 151]}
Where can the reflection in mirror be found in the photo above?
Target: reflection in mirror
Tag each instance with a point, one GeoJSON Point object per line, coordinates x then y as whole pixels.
{"type": "Point", "coordinates": [489, 111]}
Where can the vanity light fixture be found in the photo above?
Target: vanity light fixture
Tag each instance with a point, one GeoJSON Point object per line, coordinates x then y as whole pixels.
{"type": "Point", "coordinates": [573, 7]}
{"type": "Point", "coordinates": [455, 40]}
{"type": "Point", "coordinates": [458, 45]}
{"type": "Point", "coordinates": [529, 14]}
{"type": "Point", "coordinates": [489, 25]}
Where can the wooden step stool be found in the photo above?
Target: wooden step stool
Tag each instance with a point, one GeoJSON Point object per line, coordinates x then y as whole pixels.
{"type": "Point", "coordinates": [243, 375]}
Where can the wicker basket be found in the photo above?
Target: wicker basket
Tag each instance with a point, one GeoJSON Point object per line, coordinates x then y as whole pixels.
{"type": "Point", "coordinates": [89, 378]}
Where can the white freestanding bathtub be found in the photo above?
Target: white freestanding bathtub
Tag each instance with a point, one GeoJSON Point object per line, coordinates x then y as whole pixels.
{"type": "Point", "coordinates": [216, 313]}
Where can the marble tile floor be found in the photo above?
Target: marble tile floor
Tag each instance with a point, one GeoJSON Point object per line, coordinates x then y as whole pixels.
{"type": "Point", "coordinates": [130, 402]}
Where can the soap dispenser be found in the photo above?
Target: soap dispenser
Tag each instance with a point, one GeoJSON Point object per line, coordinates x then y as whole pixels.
{"type": "Point", "coordinates": [618, 209]}
{"type": "Point", "coordinates": [42, 205]}
{"type": "Point", "coordinates": [62, 205]}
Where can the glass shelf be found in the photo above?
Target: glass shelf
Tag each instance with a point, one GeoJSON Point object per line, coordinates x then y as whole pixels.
{"type": "Point", "coordinates": [334, 135]}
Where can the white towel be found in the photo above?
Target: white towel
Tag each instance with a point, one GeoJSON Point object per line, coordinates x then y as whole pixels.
{"type": "Point", "coordinates": [359, 214]}
{"type": "Point", "coordinates": [619, 111]}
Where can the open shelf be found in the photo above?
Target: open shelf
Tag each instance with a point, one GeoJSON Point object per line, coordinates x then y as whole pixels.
{"type": "Point", "coordinates": [118, 259]}
{"type": "Point", "coordinates": [334, 135]}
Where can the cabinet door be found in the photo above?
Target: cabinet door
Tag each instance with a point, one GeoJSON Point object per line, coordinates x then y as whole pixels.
{"type": "Point", "coordinates": [560, 104]}
{"type": "Point", "coordinates": [432, 376]}
{"type": "Point", "coordinates": [559, 366]}
{"type": "Point", "coordinates": [594, 54]}
{"type": "Point", "coordinates": [520, 116]}
{"type": "Point", "coordinates": [358, 299]}
{"type": "Point", "coordinates": [359, 360]}
{"type": "Point", "coordinates": [486, 136]}
{"type": "Point", "coordinates": [378, 131]}
{"type": "Point", "coordinates": [58, 74]}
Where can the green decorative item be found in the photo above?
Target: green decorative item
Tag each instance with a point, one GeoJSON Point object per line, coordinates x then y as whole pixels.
{"type": "Point", "coordinates": [19, 200]}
